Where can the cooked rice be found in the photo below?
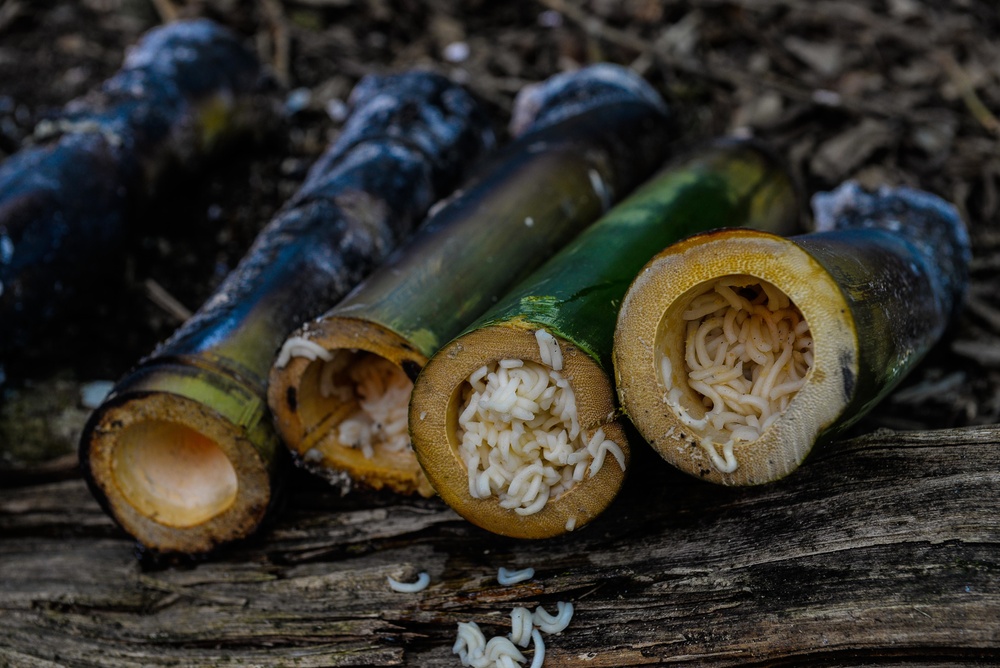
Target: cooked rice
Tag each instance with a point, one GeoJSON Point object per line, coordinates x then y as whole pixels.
{"type": "Point", "coordinates": [539, 658]}
{"type": "Point", "coordinates": [506, 577]}
{"type": "Point", "coordinates": [500, 652]}
{"type": "Point", "coordinates": [748, 351]}
{"type": "Point", "coordinates": [470, 644]}
{"type": "Point", "coordinates": [521, 626]}
{"type": "Point", "coordinates": [520, 432]}
{"type": "Point", "coordinates": [423, 580]}
{"type": "Point", "coordinates": [383, 397]}
{"type": "Point", "coordinates": [553, 623]}
{"type": "Point", "coordinates": [299, 346]}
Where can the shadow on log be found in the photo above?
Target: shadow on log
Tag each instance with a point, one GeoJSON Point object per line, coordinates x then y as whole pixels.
{"type": "Point", "coordinates": [882, 549]}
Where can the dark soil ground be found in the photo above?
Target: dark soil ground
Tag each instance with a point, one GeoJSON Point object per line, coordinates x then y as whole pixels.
{"type": "Point", "coordinates": [886, 92]}
{"type": "Point", "coordinates": [883, 91]}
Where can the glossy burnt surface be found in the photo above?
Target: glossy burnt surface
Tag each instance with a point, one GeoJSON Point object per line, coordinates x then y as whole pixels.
{"type": "Point", "coordinates": [408, 138]}
{"type": "Point", "coordinates": [65, 203]}
{"type": "Point", "coordinates": [585, 139]}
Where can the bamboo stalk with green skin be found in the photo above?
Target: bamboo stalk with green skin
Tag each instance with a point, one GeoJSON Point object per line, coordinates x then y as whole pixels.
{"type": "Point", "coordinates": [585, 138]}
{"type": "Point", "coordinates": [182, 453]}
{"type": "Point", "coordinates": [567, 309]}
{"type": "Point", "coordinates": [871, 290]}
{"type": "Point", "coordinates": [186, 90]}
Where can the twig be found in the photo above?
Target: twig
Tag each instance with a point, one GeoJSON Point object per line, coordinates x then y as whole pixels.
{"type": "Point", "coordinates": [166, 301]}
{"type": "Point", "coordinates": [167, 10]}
{"type": "Point", "coordinates": [967, 90]}
{"type": "Point", "coordinates": [281, 41]}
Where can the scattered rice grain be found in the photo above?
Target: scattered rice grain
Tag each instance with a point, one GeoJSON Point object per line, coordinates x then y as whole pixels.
{"type": "Point", "coordinates": [508, 577]}
{"type": "Point", "coordinates": [423, 580]}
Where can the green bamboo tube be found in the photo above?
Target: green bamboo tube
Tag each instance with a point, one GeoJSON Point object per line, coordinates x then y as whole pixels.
{"type": "Point", "coordinates": [182, 453]}
{"type": "Point", "coordinates": [573, 298]}
{"type": "Point", "coordinates": [875, 286]}
{"type": "Point", "coordinates": [587, 137]}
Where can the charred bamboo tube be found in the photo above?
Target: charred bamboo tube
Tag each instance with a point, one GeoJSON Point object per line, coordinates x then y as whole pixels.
{"type": "Point", "coordinates": [736, 351]}
{"type": "Point", "coordinates": [514, 421]}
{"type": "Point", "coordinates": [65, 203]}
{"type": "Point", "coordinates": [182, 454]}
{"type": "Point", "coordinates": [340, 394]}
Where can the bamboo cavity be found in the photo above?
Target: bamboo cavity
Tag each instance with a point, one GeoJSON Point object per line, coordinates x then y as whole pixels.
{"type": "Point", "coordinates": [174, 473]}
{"type": "Point", "coordinates": [520, 432]}
{"type": "Point", "coordinates": [746, 352]}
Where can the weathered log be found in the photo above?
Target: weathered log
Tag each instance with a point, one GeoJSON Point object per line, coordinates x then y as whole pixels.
{"type": "Point", "coordinates": [884, 548]}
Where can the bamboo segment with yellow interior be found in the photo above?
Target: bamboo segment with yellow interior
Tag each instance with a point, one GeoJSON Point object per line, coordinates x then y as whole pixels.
{"type": "Point", "coordinates": [515, 420]}
{"type": "Point", "coordinates": [737, 351]}
{"type": "Point", "coordinates": [183, 454]}
{"type": "Point", "coordinates": [340, 390]}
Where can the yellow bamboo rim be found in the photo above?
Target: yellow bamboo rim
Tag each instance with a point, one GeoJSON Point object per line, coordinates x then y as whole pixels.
{"type": "Point", "coordinates": [434, 411]}
{"type": "Point", "coordinates": [650, 322]}
{"type": "Point", "coordinates": [307, 421]}
{"type": "Point", "coordinates": [178, 476]}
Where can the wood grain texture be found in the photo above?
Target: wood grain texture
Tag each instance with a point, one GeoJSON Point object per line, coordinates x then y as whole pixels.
{"type": "Point", "coordinates": [882, 549]}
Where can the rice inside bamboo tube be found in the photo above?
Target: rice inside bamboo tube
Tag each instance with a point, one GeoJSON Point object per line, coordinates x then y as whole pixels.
{"type": "Point", "coordinates": [515, 420]}
{"type": "Point", "coordinates": [737, 351]}
{"type": "Point", "coordinates": [340, 390]}
{"type": "Point", "coordinates": [182, 453]}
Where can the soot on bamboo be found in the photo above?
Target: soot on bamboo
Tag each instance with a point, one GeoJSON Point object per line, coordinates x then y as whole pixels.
{"type": "Point", "coordinates": [182, 454]}
{"type": "Point", "coordinates": [737, 351]}
{"type": "Point", "coordinates": [340, 393]}
{"type": "Point", "coordinates": [65, 203]}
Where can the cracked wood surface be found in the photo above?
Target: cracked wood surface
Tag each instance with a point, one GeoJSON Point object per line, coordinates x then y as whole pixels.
{"type": "Point", "coordinates": [881, 549]}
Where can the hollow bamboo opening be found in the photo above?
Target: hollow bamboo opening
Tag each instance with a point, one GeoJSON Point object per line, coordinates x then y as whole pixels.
{"type": "Point", "coordinates": [493, 483]}
{"type": "Point", "coordinates": [341, 403]}
{"type": "Point", "coordinates": [732, 354]}
{"type": "Point", "coordinates": [178, 475]}
{"type": "Point", "coordinates": [662, 359]}
{"type": "Point", "coordinates": [173, 474]}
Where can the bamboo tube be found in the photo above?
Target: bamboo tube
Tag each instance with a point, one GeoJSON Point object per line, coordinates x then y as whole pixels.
{"type": "Point", "coordinates": [560, 322]}
{"type": "Point", "coordinates": [182, 454]}
{"type": "Point", "coordinates": [184, 91]}
{"type": "Point", "coordinates": [586, 138]}
{"type": "Point", "coordinates": [872, 290]}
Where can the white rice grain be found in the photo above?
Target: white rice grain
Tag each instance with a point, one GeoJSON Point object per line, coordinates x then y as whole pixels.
{"type": "Point", "coordinates": [299, 346]}
{"type": "Point", "coordinates": [539, 658]}
{"type": "Point", "coordinates": [521, 626]}
{"type": "Point", "coordinates": [506, 577]}
{"type": "Point", "coordinates": [423, 580]}
{"type": "Point", "coordinates": [554, 623]}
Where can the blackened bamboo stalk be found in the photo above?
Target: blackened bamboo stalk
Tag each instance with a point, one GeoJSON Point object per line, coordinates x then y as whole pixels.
{"type": "Point", "coordinates": [185, 91]}
{"type": "Point", "coordinates": [586, 138]}
{"type": "Point", "coordinates": [182, 454]}
{"type": "Point", "coordinates": [868, 294]}
{"type": "Point", "coordinates": [562, 319]}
